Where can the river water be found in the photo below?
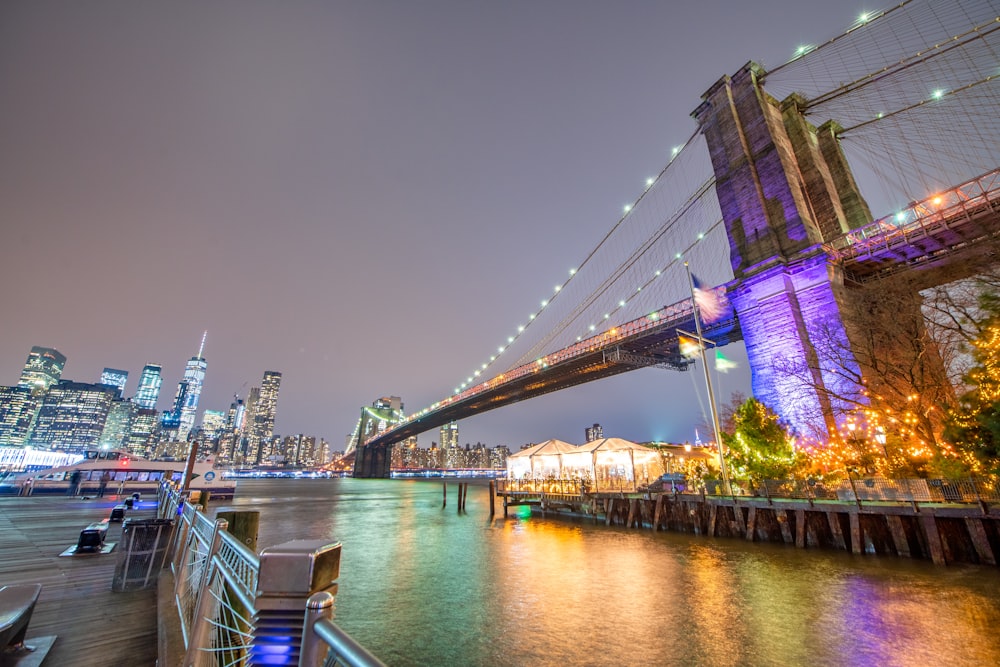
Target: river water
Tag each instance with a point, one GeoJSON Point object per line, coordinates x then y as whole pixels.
{"type": "Point", "coordinates": [426, 585]}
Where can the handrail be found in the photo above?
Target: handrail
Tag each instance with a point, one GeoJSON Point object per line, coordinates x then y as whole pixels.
{"type": "Point", "coordinates": [219, 599]}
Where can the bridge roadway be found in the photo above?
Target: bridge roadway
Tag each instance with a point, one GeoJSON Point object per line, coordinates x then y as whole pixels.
{"type": "Point", "coordinates": [947, 229]}
{"type": "Point", "coordinates": [650, 340]}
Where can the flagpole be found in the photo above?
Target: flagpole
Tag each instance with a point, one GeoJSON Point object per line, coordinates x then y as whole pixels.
{"type": "Point", "coordinates": [726, 488]}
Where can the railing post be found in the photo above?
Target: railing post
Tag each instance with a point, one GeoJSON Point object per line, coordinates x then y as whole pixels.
{"type": "Point", "coordinates": [289, 574]}
{"type": "Point", "coordinates": [204, 609]}
{"type": "Point", "coordinates": [314, 650]}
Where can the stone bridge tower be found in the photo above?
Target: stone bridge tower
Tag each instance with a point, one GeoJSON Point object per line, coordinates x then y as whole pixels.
{"type": "Point", "coordinates": [785, 189]}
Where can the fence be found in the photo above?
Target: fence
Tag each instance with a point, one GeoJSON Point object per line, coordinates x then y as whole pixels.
{"type": "Point", "coordinates": [854, 489]}
{"type": "Point", "coordinates": [239, 608]}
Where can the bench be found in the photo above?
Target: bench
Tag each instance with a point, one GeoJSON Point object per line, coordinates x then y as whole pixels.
{"type": "Point", "coordinates": [16, 604]}
{"type": "Point", "coordinates": [92, 537]}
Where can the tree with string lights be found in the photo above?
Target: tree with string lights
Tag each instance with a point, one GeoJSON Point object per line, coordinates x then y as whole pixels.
{"type": "Point", "coordinates": [760, 447]}
{"type": "Point", "coordinates": [973, 425]}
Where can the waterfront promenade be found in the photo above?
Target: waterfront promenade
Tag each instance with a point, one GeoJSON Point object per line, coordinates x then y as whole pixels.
{"type": "Point", "coordinates": [94, 625]}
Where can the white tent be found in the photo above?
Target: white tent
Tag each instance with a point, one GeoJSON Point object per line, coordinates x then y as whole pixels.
{"type": "Point", "coordinates": [614, 464]}
{"type": "Point", "coordinates": [540, 461]}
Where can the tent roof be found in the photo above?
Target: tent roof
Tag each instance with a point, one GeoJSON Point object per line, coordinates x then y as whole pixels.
{"type": "Point", "coordinates": [548, 447]}
{"type": "Point", "coordinates": [612, 445]}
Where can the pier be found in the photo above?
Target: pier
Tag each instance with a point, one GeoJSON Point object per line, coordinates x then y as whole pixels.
{"type": "Point", "coordinates": [92, 624]}
{"type": "Point", "coordinates": [942, 532]}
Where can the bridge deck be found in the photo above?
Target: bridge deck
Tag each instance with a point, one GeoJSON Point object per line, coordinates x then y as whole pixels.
{"type": "Point", "coordinates": [94, 625]}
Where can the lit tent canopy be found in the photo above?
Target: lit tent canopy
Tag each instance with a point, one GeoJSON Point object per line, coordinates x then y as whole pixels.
{"type": "Point", "coordinates": [541, 461]}
{"type": "Point", "coordinates": [612, 461]}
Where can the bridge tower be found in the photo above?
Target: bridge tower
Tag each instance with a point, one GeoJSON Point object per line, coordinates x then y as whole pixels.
{"type": "Point", "coordinates": [785, 189]}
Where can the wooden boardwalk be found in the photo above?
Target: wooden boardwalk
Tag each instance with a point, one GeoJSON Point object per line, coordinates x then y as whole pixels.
{"type": "Point", "coordinates": [95, 626]}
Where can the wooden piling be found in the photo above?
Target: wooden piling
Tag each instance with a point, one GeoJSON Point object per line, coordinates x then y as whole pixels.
{"type": "Point", "coordinates": [979, 540]}
{"type": "Point", "coordinates": [444, 496]}
{"type": "Point", "coordinates": [493, 497]}
{"type": "Point", "coordinates": [243, 525]}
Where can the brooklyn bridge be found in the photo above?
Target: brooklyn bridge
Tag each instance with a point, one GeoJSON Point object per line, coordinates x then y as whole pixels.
{"type": "Point", "coordinates": [777, 177]}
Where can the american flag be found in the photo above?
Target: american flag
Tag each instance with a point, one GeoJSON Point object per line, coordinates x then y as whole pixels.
{"type": "Point", "coordinates": [712, 302]}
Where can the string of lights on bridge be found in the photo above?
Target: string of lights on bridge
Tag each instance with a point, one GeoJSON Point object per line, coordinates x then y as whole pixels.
{"type": "Point", "coordinates": [902, 217]}
{"type": "Point", "coordinates": [520, 329]}
{"type": "Point", "coordinates": [573, 272]}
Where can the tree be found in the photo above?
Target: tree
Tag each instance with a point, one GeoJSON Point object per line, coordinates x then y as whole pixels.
{"type": "Point", "coordinates": [760, 447]}
{"type": "Point", "coordinates": [974, 423]}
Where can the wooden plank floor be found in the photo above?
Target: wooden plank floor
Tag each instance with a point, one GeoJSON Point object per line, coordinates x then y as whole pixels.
{"type": "Point", "coordinates": [95, 626]}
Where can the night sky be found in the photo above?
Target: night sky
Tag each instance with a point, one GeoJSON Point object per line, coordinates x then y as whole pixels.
{"type": "Point", "coordinates": [364, 196]}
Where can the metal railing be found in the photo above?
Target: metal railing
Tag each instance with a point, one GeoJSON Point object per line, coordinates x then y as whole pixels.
{"type": "Point", "coordinates": [236, 607]}
{"type": "Point", "coordinates": [854, 489]}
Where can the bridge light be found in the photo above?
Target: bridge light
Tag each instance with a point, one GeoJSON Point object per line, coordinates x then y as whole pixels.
{"type": "Point", "coordinates": [476, 374]}
{"type": "Point", "coordinates": [654, 316]}
{"type": "Point", "coordinates": [606, 315]}
{"type": "Point", "coordinates": [592, 327]}
{"type": "Point", "coordinates": [579, 338]}
{"type": "Point", "coordinates": [621, 304]}
{"type": "Point", "coordinates": [938, 94]}
{"type": "Point", "coordinates": [572, 272]}
{"type": "Point", "coordinates": [468, 380]}
{"type": "Point", "coordinates": [510, 339]}
{"type": "Point", "coordinates": [558, 287]}
{"type": "Point", "coordinates": [531, 317]}
{"type": "Point", "coordinates": [658, 273]}
{"type": "Point", "coordinates": [901, 216]}
{"type": "Point", "coordinates": [675, 150]}
{"type": "Point", "coordinates": [650, 181]}
{"type": "Point", "coordinates": [937, 200]}
{"type": "Point", "coordinates": [639, 289]}
{"type": "Point", "coordinates": [545, 302]}
{"type": "Point", "coordinates": [484, 367]}
{"type": "Point", "coordinates": [628, 208]}
{"type": "Point", "coordinates": [520, 329]}
{"type": "Point", "coordinates": [701, 235]}
{"type": "Point", "coordinates": [493, 358]}
{"type": "Point", "coordinates": [678, 256]}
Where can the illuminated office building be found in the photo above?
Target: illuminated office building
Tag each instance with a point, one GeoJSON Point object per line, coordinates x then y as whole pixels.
{"type": "Point", "coordinates": [17, 410]}
{"type": "Point", "coordinates": [118, 425]}
{"type": "Point", "coordinates": [194, 378]}
{"type": "Point", "coordinates": [144, 431]}
{"type": "Point", "coordinates": [213, 424]}
{"type": "Point", "coordinates": [43, 368]}
{"type": "Point", "coordinates": [72, 416]}
{"type": "Point", "coordinates": [115, 378]}
{"type": "Point", "coordinates": [449, 435]}
{"type": "Point", "coordinates": [148, 392]}
{"type": "Point", "coordinates": [259, 422]}
{"type": "Point", "coordinates": [595, 432]}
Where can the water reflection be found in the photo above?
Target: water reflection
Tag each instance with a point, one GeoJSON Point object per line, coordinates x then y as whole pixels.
{"type": "Point", "coordinates": [422, 585]}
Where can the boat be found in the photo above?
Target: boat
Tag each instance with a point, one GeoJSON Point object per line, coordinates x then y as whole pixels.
{"type": "Point", "coordinates": [127, 474]}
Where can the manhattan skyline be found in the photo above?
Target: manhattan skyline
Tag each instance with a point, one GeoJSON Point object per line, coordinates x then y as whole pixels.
{"type": "Point", "coordinates": [367, 197]}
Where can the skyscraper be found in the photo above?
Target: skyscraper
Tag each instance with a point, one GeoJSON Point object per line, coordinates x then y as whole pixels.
{"type": "Point", "coordinates": [186, 400]}
{"type": "Point", "coordinates": [43, 368]}
{"type": "Point", "coordinates": [72, 416]}
{"type": "Point", "coordinates": [595, 432]}
{"type": "Point", "coordinates": [148, 391]}
{"type": "Point", "coordinates": [18, 406]}
{"type": "Point", "coordinates": [449, 435]}
{"type": "Point", "coordinates": [115, 378]}
{"type": "Point", "coordinates": [259, 421]}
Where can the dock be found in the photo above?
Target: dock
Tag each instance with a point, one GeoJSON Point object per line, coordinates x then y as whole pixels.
{"type": "Point", "coordinates": [93, 625]}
